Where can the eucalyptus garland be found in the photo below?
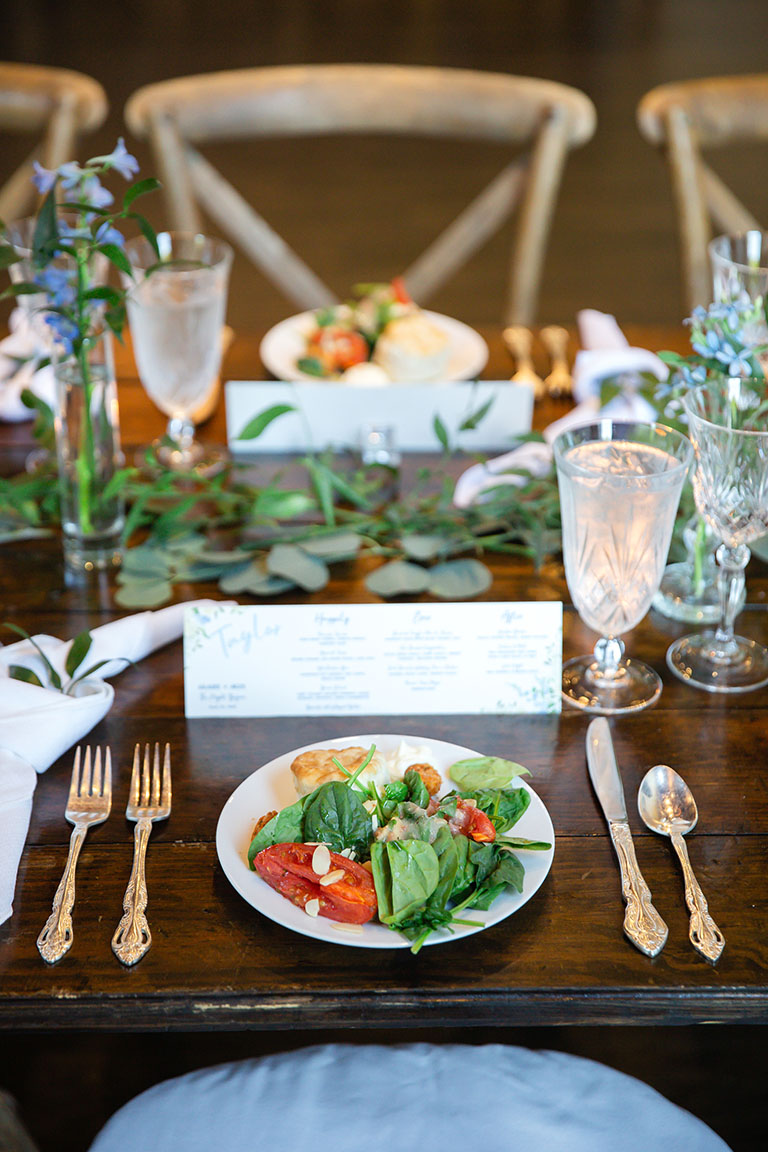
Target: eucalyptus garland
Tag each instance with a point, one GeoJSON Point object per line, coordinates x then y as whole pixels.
{"type": "Point", "coordinates": [274, 538]}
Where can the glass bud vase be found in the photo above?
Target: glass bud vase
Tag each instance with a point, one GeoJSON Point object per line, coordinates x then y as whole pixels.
{"type": "Point", "coordinates": [87, 424]}
{"type": "Point", "coordinates": [689, 590]}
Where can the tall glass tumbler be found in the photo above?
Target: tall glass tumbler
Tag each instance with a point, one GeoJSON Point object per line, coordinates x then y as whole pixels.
{"type": "Point", "coordinates": [176, 309]}
{"type": "Point", "coordinates": [620, 486]}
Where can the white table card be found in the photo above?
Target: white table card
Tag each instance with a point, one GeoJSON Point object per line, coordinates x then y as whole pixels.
{"type": "Point", "coordinates": [337, 415]}
{"type": "Point", "coordinates": [372, 659]}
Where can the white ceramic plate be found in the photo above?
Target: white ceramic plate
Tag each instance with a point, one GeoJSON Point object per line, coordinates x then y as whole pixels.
{"type": "Point", "coordinates": [286, 342]}
{"type": "Point", "coordinates": [272, 787]}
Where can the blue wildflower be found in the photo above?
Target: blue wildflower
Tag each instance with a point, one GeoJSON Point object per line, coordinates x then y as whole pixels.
{"type": "Point", "coordinates": [64, 329]}
{"type": "Point", "coordinates": [93, 192]}
{"type": "Point", "coordinates": [44, 178]}
{"type": "Point", "coordinates": [106, 234]}
{"type": "Point", "coordinates": [121, 160]}
{"type": "Point", "coordinates": [71, 174]}
{"type": "Point", "coordinates": [58, 284]}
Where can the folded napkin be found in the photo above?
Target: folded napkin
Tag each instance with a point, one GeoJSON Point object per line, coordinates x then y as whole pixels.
{"type": "Point", "coordinates": [20, 355]}
{"type": "Point", "coordinates": [38, 725]}
{"type": "Point", "coordinates": [605, 352]}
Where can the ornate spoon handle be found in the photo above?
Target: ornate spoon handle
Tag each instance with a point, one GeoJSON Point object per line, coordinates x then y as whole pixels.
{"type": "Point", "coordinates": [704, 934]}
{"type": "Point", "coordinates": [132, 937]}
{"type": "Point", "coordinates": [642, 923]}
{"type": "Point", "coordinates": [56, 937]}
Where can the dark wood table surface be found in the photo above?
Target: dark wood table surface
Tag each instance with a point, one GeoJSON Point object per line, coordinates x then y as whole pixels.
{"type": "Point", "coordinates": [217, 964]}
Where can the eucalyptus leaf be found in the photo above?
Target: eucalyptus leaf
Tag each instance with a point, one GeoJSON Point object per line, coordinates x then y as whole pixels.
{"type": "Point", "coordinates": [424, 546]}
{"type": "Point", "coordinates": [459, 579]}
{"type": "Point", "coordinates": [333, 546]}
{"type": "Point", "coordinates": [144, 562]}
{"type": "Point", "coordinates": [398, 578]}
{"type": "Point", "coordinates": [256, 579]}
{"type": "Point", "coordinates": [143, 593]}
{"type": "Point", "coordinates": [293, 563]}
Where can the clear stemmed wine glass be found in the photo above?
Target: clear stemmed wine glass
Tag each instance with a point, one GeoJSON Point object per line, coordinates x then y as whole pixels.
{"type": "Point", "coordinates": [620, 485]}
{"type": "Point", "coordinates": [728, 424]}
{"type": "Point", "coordinates": [176, 307]}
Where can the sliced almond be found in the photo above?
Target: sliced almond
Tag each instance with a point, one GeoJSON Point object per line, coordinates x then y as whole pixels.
{"type": "Point", "coordinates": [321, 860]}
{"type": "Point", "coordinates": [370, 806]}
{"type": "Point", "coordinates": [312, 908]}
{"type": "Point", "coordinates": [355, 929]}
{"type": "Point", "coordinates": [332, 877]}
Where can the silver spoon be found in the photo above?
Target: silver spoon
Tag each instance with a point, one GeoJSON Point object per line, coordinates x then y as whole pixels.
{"type": "Point", "coordinates": [667, 806]}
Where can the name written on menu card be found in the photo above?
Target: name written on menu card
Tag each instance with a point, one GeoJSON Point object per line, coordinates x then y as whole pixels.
{"type": "Point", "coordinates": [372, 659]}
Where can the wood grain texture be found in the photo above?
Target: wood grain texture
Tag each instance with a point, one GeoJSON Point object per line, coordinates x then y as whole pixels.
{"type": "Point", "coordinates": [216, 964]}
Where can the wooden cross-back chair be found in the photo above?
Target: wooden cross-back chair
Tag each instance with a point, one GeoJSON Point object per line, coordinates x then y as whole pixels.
{"type": "Point", "coordinates": [684, 120]}
{"type": "Point", "coordinates": [54, 105]}
{"type": "Point", "coordinates": [180, 115]}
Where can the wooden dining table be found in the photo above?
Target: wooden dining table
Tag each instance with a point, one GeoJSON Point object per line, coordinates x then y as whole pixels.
{"type": "Point", "coordinates": [561, 960]}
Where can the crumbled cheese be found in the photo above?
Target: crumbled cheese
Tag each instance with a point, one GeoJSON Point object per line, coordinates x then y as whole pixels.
{"type": "Point", "coordinates": [332, 877]}
{"type": "Point", "coordinates": [321, 860]}
{"type": "Point", "coordinates": [312, 908]}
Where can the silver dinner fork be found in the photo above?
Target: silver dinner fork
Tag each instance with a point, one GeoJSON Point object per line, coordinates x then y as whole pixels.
{"type": "Point", "coordinates": [519, 341]}
{"type": "Point", "coordinates": [89, 802]}
{"type": "Point", "coordinates": [559, 382]}
{"type": "Point", "coordinates": [148, 801]}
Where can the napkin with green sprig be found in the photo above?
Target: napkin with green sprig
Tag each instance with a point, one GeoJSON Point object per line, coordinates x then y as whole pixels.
{"type": "Point", "coordinates": [52, 693]}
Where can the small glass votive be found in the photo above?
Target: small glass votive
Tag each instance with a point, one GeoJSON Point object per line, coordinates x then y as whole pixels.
{"type": "Point", "coordinates": [378, 445]}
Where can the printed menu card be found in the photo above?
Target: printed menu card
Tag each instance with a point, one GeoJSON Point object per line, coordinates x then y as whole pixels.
{"type": "Point", "coordinates": [372, 659]}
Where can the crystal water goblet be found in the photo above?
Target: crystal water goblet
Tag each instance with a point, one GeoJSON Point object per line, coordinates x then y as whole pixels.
{"type": "Point", "coordinates": [728, 424]}
{"type": "Point", "coordinates": [620, 485]}
{"type": "Point", "coordinates": [176, 308]}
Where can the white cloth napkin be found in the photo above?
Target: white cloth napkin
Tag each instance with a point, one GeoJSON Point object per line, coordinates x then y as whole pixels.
{"type": "Point", "coordinates": [604, 352]}
{"type": "Point", "coordinates": [38, 725]}
{"type": "Point", "coordinates": [20, 354]}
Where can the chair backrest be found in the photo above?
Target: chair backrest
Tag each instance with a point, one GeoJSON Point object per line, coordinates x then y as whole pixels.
{"type": "Point", "coordinates": [684, 120]}
{"type": "Point", "coordinates": [545, 118]}
{"type": "Point", "coordinates": [56, 106]}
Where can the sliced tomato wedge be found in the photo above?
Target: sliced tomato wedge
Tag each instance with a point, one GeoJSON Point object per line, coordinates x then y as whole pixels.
{"type": "Point", "coordinates": [338, 348]}
{"type": "Point", "coordinates": [472, 822]}
{"type": "Point", "coordinates": [350, 899]}
{"type": "Point", "coordinates": [401, 293]}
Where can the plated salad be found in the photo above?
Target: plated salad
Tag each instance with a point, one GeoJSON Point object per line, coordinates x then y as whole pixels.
{"type": "Point", "coordinates": [377, 337]}
{"type": "Point", "coordinates": [366, 845]}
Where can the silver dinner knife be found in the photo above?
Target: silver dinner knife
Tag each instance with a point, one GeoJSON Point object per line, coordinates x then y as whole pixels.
{"type": "Point", "coordinates": [642, 923]}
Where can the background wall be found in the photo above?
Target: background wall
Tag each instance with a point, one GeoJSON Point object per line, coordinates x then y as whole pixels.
{"type": "Point", "coordinates": [613, 245]}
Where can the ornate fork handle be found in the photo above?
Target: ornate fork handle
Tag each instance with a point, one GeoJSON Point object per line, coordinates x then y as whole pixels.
{"type": "Point", "coordinates": [704, 934]}
{"type": "Point", "coordinates": [56, 938]}
{"type": "Point", "coordinates": [132, 937]}
{"type": "Point", "coordinates": [642, 923]}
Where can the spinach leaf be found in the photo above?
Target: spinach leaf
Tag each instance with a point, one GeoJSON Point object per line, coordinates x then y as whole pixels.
{"type": "Point", "coordinates": [417, 789]}
{"type": "Point", "coordinates": [503, 806]}
{"type": "Point", "coordinates": [521, 842]}
{"type": "Point", "coordinates": [448, 862]}
{"type": "Point", "coordinates": [465, 869]}
{"type": "Point", "coordinates": [508, 872]}
{"type": "Point", "coordinates": [334, 815]}
{"type": "Point", "coordinates": [405, 874]}
{"type": "Point", "coordinates": [485, 772]}
{"type": "Point", "coordinates": [284, 828]}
